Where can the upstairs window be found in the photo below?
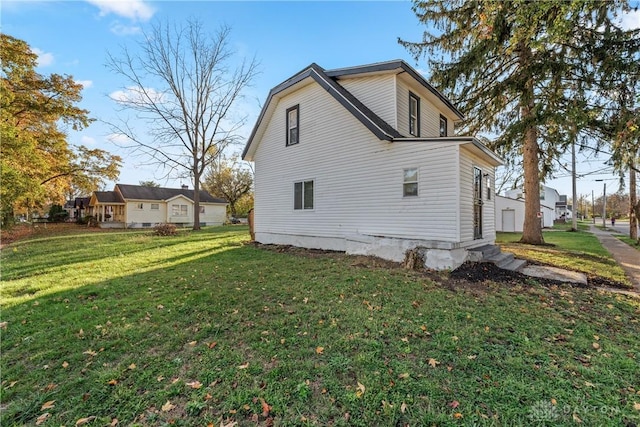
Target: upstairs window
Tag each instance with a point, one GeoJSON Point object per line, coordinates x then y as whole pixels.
{"type": "Point", "coordinates": [414, 115]}
{"type": "Point", "coordinates": [293, 129]}
{"type": "Point", "coordinates": [303, 195]}
{"type": "Point", "coordinates": [443, 125]}
{"type": "Point", "coordinates": [410, 184]}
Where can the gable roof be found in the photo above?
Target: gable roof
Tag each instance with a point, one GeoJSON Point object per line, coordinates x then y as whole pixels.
{"type": "Point", "coordinates": [138, 192]}
{"type": "Point", "coordinates": [399, 66]}
{"type": "Point", "coordinates": [108, 197]}
{"type": "Point", "coordinates": [327, 79]}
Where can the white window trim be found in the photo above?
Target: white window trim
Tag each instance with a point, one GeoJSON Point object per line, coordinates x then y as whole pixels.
{"type": "Point", "coordinates": [313, 197]}
{"type": "Point", "coordinates": [417, 182]}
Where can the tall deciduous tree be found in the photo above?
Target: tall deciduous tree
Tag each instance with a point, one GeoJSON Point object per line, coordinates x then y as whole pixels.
{"type": "Point", "coordinates": [182, 86]}
{"type": "Point", "coordinates": [227, 179]}
{"type": "Point", "coordinates": [38, 164]}
{"type": "Point", "coordinates": [521, 70]}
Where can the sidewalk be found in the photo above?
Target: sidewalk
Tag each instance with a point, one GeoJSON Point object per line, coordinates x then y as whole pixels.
{"type": "Point", "coordinates": [626, 256]}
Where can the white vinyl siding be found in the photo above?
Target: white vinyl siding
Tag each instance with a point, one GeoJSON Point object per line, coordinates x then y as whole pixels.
{"type": "Point", "coordinates": [375, 92]}
{"type": "Point", "coordinates": [429, 114]}
{"type": "Point", "coordinates": [357, 177]}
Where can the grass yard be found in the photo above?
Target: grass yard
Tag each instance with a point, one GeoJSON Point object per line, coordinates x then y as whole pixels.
{"type": "Point", "coordinates": [202, 329]}
{"type": "Point", "coordinates": [578, 251]}
{"type": "Point", "coordinates": [629, 241]}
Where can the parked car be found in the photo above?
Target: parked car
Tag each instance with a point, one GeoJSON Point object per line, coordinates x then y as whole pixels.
{"type": "Point", "coordinates": [234, 220]}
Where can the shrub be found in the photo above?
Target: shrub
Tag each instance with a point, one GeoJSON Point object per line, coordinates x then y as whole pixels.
{"type": "Point", "coordinates": [165, 230]}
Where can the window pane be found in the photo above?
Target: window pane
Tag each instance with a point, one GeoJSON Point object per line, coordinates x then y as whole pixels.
{"type": "Point", "coordinates": [410, 189]}
{"type": "Point", "coordinates": [297, 195]}
{"type": "Point", "coordinates": [175, 210]}
{"type": "Point", "coordinates": [443, 126]}
{"type": "Point", "coordinates": [293, 118]}
{"type": "Point", "coordinates": [183, 210]}
{"type": "Point", "coordinates": [293, 136]}
{"type": "Point", "coordinates": [411, 175]}
{"type": "Point", "coordinates": [308, 195]}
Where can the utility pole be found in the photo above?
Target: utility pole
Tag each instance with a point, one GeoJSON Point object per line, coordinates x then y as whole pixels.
{"type": "Point", "coordinates": [604, 203]}
{"type": "Point", "coordinates": [593, 207]}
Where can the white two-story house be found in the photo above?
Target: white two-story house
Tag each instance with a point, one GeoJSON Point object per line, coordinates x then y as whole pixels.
{"type": "Point", "coordinates": [365, 160]}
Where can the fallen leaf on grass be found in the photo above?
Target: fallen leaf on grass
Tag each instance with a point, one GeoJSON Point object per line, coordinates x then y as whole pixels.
{"type": "Point", "coordinates": [361, 389]}
{"type": "Point", "coordinates": [195, 384]}
{"type": "Point", "coordinates": [212, 344]}
{"type": "Point", "coordinates": [193, 343]}
{"type": "Point", "coordinates": [596, 345]}
{"type": "Point", "coordinates": [403, 407]}
{"type": "Point", "coordinates": [457, 415]}
{"type": "Point", "coordinates": [245, 366]}
{"type": "Point", "coordinates": [42, 418]}
{"type": "Point", "coordinates": [403, 376]}
{"type": "Point", "coordinates": [132, 366]}
{"type": "Point", "coordinates": [86, 420]}
{"type": "Point", "coordinates": [589, 384]}
{"type": "Point", "coordinates": [636, 406]}
{"type": "Point", "coordinates": [319, 350]}
{"type": "Point", "coordinates": [454, 404]}
{"type": "Point", "coordinates": [433, 362]}
{"type": "Point", "coordinates": [576, 419]}
{"type": "Point", "coordinates": [65, 364]}
{"type": "Point", "coordinates": [266, 408]}
{"type": "Point", "coordinates": [113, 382]}
{"type": "Point", "coordinates": [48, 405]}
{"type": "Point", "coordinates": [114, 422]}
{"type": "Point", "coordinates": [3, 325]}
{"type": "Point", "coordinates": [167, 406]}
{"type": "Point", "coordinates": [90, 352]}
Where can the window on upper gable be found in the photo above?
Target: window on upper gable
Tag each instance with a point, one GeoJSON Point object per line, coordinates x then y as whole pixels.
{"type": "Point", "coordinates": [293, 128]}
{"type": "Point", "coordinates": [414, 115]}
{"type": "Point", "coordinates": [443, 125]}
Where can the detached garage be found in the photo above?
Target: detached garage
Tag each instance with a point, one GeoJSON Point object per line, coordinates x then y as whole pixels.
{"type": "Point", "coordinates": [510, 214]}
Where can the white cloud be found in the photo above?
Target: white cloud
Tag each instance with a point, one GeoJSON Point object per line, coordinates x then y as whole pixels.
{"type": "Point", "coordinates": [87, 140]}
{"type": "Point", "coordinates": [631, 20]}
{"type": "Point", "coordinates": [118, 138]}
{"type": "Point", "coordinates": [137, 10]}
{"type": "Point", "coordinates": [85, 83]}
{"type": "Point", "coordinates": [136, 95]}
{"type": "Point", "coordinates": [121, 29]}
{"type": "Point", "coordinates": [44, 58]}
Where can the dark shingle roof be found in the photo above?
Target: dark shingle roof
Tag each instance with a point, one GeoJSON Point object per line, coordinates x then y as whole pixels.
{"type": "Point", "coordinates": [108, 197]}
{"type": "Point", "coordinates": [139, 192]}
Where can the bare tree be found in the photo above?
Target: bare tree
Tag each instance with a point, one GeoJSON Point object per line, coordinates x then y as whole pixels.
{"type": "Point", "coordinates": [181, 88]}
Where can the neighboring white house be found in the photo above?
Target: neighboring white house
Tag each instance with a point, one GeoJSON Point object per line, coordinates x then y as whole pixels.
{"type": "Point", "coordinates": [364, 160]}
{"type": "Point", "coordinates": [510, 209]}
{"type": "Point", "coordinates": [135, 206]}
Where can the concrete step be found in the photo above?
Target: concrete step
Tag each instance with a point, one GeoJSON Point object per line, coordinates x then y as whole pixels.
{"type": "Point", "coordinates": [515, 265]}
{"type": "Point", "coordinates": [486, 251]}
{"type": "Point", "coordinates": [501, 259]}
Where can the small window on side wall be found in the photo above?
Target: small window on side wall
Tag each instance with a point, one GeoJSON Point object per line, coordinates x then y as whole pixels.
{"type": "Point", "coordinates": [414, 115]}
{"type": "Point", "coordinates": [303, 195]}
{"type": "Point", "coordinates": [443, 125]}
{"type": "Point", "coordinates": [410, 184]}
{"type": "Point", "coordinates": [293, 128]}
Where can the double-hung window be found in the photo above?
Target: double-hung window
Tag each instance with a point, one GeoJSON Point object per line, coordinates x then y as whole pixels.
{"type": "Point", "coordinates": [414, 115]}
{"type": "Point", "coordinates": [410, 184]}
{"type": "Point", "coordinates": [303, 195]}
{"type": "Point", "coordinates": [293, 127]}
{"type": "Point", "coordinates": [443, 125]}
{"type": "Point", "coordinates": [178, 210]}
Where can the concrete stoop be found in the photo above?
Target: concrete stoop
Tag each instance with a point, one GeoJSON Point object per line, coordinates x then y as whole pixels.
{"type": "Point", "coordinates": [493, 254]}
{"type": "Point", "coordinates": [506, 261]}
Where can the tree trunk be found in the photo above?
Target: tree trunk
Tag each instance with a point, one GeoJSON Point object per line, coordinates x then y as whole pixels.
{"type": "Point", "coordinates": [531, 230]}
{"type": "Point", "coordinates": [232, 208]}
{"type": "Point", "coordinates": [196, 198]}
{"type": "Point", "coordinates": [633, 201]}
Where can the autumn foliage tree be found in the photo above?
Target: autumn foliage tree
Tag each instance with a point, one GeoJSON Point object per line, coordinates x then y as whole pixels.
{"type": "Point", "coordinates": [524, 71]}
{"type": "Point", "coordinates": [227, 179]}
{"type": "Point", "coordinates": [38, 165]}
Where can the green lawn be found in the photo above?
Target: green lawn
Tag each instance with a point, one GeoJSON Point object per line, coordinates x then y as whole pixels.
{"type": "Point", "coordinates": [203, 329]}
{"type": "Point", "coordinates": [633, 243]}
{"type": "Point", "coordinates": [578, 251]}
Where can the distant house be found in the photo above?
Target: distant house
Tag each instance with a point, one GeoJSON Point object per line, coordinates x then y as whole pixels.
{"type": "Point", "coordinates": [135, 206]}
{"type": "Point", "coordinates": [509, 214]}
{"type": "Point", "coordinates": [77, 208]}
{"type": "Point", "coordinates": [365, 160]}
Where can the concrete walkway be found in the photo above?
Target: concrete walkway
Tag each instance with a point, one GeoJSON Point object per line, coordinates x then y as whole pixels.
{"type": "Point", "coordinates": [625, 255]}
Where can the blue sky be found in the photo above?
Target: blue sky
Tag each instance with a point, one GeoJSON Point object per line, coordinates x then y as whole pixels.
{"type": "Point", "coordinates": [73, 37]}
